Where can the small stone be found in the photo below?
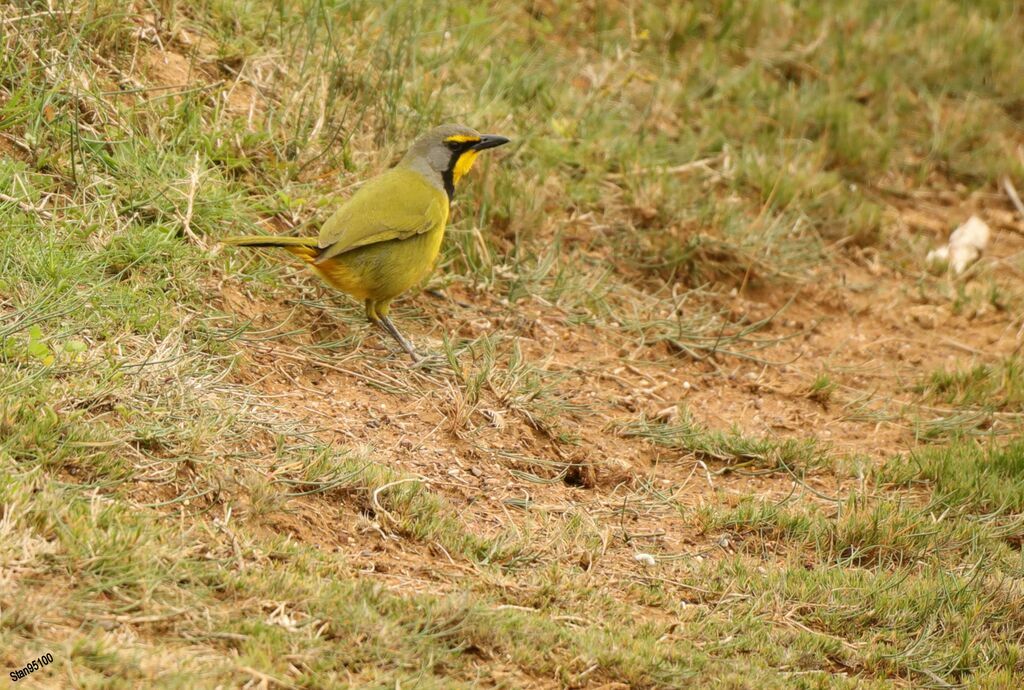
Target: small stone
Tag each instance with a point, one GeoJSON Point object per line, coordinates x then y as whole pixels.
{"type": "Point", "coordinates": [645, 559]}
{"type": "Point", "coordinates": [925, 316]}
{"type": "Point", "coordinates": [668, 415]}
{"type": "Point", "coordinates": [966, 245]}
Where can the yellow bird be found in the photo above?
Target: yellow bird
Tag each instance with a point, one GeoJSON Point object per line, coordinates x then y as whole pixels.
{"type": "Point", "coordinates": [386, 238]}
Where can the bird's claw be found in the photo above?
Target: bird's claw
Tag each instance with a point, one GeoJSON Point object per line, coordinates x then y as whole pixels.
{"type": "Point", "coordinates": [429, 362]}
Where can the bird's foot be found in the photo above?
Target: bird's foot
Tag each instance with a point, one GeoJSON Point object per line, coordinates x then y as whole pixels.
{"type": "Point", "coordinates": [429, 362]}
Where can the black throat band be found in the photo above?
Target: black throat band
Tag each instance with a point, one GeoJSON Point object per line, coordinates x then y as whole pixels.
{"type": "Point", "coordinates": [448, 176]}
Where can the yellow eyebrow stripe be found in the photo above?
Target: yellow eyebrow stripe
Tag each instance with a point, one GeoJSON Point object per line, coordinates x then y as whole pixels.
{"type": "Point", "coordinates": [462, 138]}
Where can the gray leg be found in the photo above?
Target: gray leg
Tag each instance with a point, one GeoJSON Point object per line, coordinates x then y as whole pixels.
{"type": "Point", "coordinates": [386, 324]}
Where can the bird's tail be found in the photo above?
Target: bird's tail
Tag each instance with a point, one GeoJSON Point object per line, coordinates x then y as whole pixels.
{"type": "Point", "coordinates": [306, 248]}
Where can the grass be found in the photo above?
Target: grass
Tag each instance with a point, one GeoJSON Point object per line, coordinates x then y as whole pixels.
{"type": "Point", "coordinates": [980, 480]}
{"type": "Point", "coordinates": [992, 387]}
{"type": "Point", "coordinates": [213, 474]}
{"type": "Point", "coordinates": [732, 447]}
{"type": "Point", "coordinates": [873, 561]}
{"type": "Point", "coordinates": [822, 389]}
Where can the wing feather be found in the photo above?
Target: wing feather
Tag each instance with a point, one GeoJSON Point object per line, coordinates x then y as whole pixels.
{"type": "Point", "coordinates": [395, 205]}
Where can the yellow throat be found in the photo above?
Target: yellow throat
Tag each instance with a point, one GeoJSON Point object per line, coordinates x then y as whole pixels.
{"type": "Point", "coordinates": [463, 165]}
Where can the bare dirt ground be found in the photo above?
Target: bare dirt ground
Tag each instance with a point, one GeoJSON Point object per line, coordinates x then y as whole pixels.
{"type": "Point", "coordinates": [870, 326]}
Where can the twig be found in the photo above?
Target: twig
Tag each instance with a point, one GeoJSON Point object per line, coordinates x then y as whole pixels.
{"type": "Point", "coordinates": [27, 207]}
{"type": "Point", "coordinates": [23, 17]}
{"type": "Point", "coordinates": [375, 498]}
{"type": "Point", "coordinates": [704, 163]}
{"type": "Point", "coordinates": [687, 167]}
{"type": "Point", "coordinates": [707, 472]}
{"type": "Point", "coordinates": [186, 222]}
{"type": "Point", "coordinates": [17, 142]}
{"type": "Point", "coordinates": [135, 620]}
{"type": "Point", "coordinates": [266, 678]}
{"type": "Point", "coordinates": [134, 83]}
{"type": "Point", "coordinates": [961, 346]}
{"type": "Point", "coordinates": [514, 607]}
{"type": "Point", "coordinates": [797, 624]}
{"type": "Point", "coordinates": [1011, 192]}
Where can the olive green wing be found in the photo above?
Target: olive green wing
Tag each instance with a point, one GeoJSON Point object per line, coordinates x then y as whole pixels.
{"type": "Point", "coordinates": [395, 205]}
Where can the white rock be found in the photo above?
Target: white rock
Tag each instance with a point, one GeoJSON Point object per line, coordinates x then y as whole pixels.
{"type": "Point", "coordinates": [966, 245]}
{"type": "Point", "coordinates": [974, 233]}
{"type": "Point", "coordinates": [938, 257]}
{"type": "Point", "coordinates": [962, 257]}
{"type": "Point", "coordinates": [645, 559]}
{"type": "Point", "coordinates": [669, 415]}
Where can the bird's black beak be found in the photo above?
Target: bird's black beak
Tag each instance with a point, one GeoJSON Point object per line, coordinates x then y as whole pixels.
{"type": "Point", "coordinates": [489, 141]}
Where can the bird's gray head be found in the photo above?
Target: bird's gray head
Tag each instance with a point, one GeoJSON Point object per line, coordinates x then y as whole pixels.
{"type": "Point", "coordinates": [446, 153]}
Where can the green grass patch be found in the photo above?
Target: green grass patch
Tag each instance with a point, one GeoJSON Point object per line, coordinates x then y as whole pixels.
{"type": "Point", "coordinates": [732, 447]}
{"type": "Point", "coordinates": [985, 479]}
{"type": "Point", "coordinates": [997, 386]}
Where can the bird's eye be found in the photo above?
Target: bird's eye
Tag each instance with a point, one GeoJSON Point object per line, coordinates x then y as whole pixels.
{"type": "Point", "coordinates": [453, 145]}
